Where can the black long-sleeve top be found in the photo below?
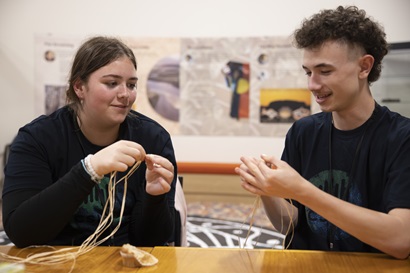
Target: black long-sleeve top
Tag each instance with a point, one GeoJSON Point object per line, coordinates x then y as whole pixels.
{"type": "Point", "coordinates": [49, 198]}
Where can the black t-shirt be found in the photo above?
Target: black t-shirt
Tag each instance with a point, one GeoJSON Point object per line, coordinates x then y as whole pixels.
{"type": "Point", "coordinates": [48, 198]}
{"type": "Point", "coordinates": [370, 167]}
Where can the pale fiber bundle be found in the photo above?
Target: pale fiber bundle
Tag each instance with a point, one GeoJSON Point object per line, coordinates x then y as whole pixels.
{"type": "Point", "coordinates": [256, 205]}
{"type": "Point", "coordinates": [71, 253]}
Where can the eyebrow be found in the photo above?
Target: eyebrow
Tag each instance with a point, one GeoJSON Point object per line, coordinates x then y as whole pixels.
{"type": "Point", "coordinates": [318, 65]}
{"type": "Point", "coordinates": [119, 77]}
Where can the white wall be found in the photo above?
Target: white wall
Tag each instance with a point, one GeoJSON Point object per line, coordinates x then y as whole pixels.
{"type": "Point", "coordinates": [20, 20]}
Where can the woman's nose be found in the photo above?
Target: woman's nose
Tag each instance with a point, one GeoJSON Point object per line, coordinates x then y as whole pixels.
{"type": "Point", "coordinates": [123, 91]}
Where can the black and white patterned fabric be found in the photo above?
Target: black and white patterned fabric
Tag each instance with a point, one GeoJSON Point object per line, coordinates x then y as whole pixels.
{"type": "Point", "coordinates": [207, 232]}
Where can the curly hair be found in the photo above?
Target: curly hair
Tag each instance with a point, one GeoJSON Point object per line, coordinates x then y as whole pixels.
{"type": "Point", "coordinates": [349, 25]}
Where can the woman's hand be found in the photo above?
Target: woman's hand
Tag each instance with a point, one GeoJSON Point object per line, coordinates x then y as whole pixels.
{"type": "Point", "coordinates": [117, 157]}
{"type": "Point", "coordinates": [123, 154]}
{"type": "Point", "coordinates": [159, 175]}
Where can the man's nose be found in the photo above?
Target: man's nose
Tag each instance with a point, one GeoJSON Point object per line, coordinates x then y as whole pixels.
{"type": "Point", "coordinates": [314, 83]}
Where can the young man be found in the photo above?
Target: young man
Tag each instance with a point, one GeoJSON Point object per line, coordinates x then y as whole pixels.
{"type": "Point", "coordinates": [346, 170]}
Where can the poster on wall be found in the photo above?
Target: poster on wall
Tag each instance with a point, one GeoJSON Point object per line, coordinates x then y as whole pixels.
{"type": "Point", "coordinates": [196, 86]}
{"type": "Point", "coordinates": [53, 58]}
{"type": "Point", "coordinates": [215, 82]}
{"type": "Point", "coordinates": [241, 86]}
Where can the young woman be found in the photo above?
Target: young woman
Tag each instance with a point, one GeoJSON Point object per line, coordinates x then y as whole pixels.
{"type": "Point", "coordinates": [59, 167]}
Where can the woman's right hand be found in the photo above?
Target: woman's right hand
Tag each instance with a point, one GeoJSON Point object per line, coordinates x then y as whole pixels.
{"type": "Point", "coordinates": [117, 157]}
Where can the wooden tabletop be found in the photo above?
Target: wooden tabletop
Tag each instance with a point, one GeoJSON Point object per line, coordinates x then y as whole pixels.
{"type": "Point", "coordinates": [215, 260]}
{"type": "Point", "coordinates": [277, 261]}
{"type": "Point", "coordinates": [100, 259]}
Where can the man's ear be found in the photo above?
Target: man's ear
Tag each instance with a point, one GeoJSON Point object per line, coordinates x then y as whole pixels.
{"type": "Point", "coordinates": [366, 64]}
{"type": "Point", "coordinates": [79, 88]}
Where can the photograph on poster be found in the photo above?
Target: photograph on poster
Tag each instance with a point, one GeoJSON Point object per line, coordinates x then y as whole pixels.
{"type": "Point", "coordinates": [284, 105]}
{"type": "Point", "coordinates": [54, 97]}
{"type": "Point", "coordinates": [237, 79]}
{"type": "Point", "coordinates": [163, 88]}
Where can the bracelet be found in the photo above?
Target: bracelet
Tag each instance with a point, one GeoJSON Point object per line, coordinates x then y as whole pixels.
{"type": "Point", "coordinates": [90, 170]}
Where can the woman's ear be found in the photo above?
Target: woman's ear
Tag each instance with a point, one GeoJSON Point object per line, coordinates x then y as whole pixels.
{"type": "Point", "coordinates": [79, 88]}
{"type": "Point", "coordinates": [366, 64]}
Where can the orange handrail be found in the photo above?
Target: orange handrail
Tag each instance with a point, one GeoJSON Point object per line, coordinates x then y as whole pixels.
{"type": "Point", "coordinates": [207, 167]}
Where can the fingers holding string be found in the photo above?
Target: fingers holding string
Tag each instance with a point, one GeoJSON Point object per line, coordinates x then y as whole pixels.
{"type": "Point", "coordinates": [155, 161]}
{"type": "Point", "coordinates": [267, 164]}
{"type": "Point", "coordinates": [269, 160]}
{"type": "Point", "coordinates": [244, 169]}
{"type": "Point", "coordinates": [117, 157]}
{"type": "Point", "coordinates": [253, 168]}
{"type": "Point", "coordinates": [250, 175]}
{"type": "Point", "coordinates": [133, 150]}
{"type": "Point", "coordinates": [159, 174]}
{"type": "Point", "coordinates": [161, 166]}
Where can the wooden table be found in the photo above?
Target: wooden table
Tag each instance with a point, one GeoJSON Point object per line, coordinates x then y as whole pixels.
{"type": "Point", "coordinates": [216, 260]}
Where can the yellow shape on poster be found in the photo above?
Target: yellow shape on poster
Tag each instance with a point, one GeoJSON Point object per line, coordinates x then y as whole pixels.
{"type": "Point", "coordinates": [268, 95]}
{"type": "Point", "coordinates": [243, 86]}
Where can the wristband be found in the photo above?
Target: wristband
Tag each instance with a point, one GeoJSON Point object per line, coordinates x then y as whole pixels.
{"type": "Point", "coordinates": [90, 170]}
